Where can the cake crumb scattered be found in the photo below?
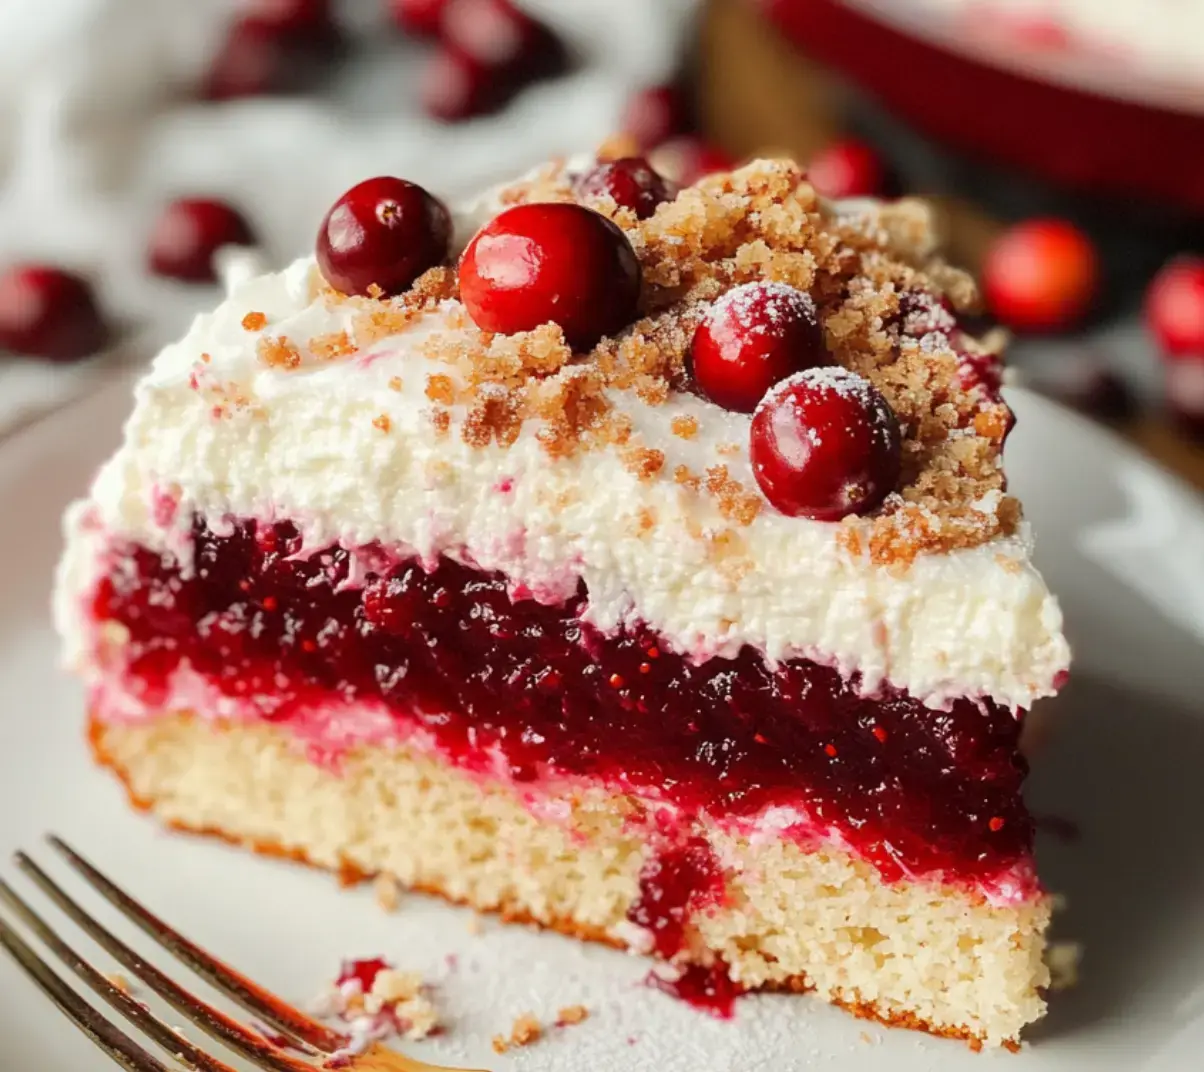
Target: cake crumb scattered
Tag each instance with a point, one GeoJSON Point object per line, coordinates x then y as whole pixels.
{"type": "Point", "coordinates": [685, 427]}
{"type": "Point", "coordinates": [254, 321]}
{"type": "Point", "coordinates": [684, 476]}
{"type": "Point", "coordinates": [525, 1030]}
{"type": "Point", "coordinates": [382, 422]}
{"type": "Point", "coordinates": [572, 1014]}
{"type": "Point", "coordinates": [376, 1002]}
{"type": "Point", "coordinates": [121, 982]}
{"type": "Point", "coordinates": [394, 383]}
{"type": "Point", "coordinates": [387, 892]}
{"type": "Point", "coordinates": [441, 419]}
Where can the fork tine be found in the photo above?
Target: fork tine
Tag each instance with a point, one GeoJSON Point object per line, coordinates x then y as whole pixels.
{"type": "Point", "coordinates": [213, 1022]}
{"type": "Point", "coordinates": [108, 1037]}
{"type": "Point", "coordinates": [254, 999]}
{"type": "Point", "coordinates": [140, 1016]}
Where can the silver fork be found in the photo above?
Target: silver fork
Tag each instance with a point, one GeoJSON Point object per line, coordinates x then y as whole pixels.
{"type": "Point", "coordinates": [320, 1047]}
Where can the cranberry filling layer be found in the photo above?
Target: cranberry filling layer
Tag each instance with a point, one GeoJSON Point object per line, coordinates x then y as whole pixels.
{"type": "Point", "coordinates": [911, 789]}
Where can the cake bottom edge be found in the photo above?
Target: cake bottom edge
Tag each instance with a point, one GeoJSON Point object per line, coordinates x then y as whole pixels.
{"type": "Point", "coordinates": [791, 919]}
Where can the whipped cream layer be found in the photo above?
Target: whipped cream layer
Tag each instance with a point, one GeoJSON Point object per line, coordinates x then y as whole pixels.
{"type": "Point", "coordinates": [348, 452]}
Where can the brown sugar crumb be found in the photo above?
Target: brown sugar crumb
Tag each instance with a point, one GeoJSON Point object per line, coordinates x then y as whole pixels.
{"type": "Point", "coordinates": [254, 321]}
{"type": "Point", "coordinates": [684, 476]}
{"type": "Point", "coordinates": [383, 423]}
{"type": "Point", "coordinates": [572, 1014]}
{"type": "Point", "coordinates": [493, 416]}
{"type": "Point", "coordinates": [735, 504]}
{"type": "Point", "coordinates": [279, 353]}
{"type": "Point", "coordinates": [644, 462]}
{"type": "Point", "coordinates": [728, 450]}
{"type": "Point", "coordinates": [331, 347]}
{"type": "Point", "coordinates": [643, 522]}
{"type": "Point", "coordinates": [440, 388]}
{"type": "Point", "coordinates": [525, 1030]}
{"type": "Point", "coordinates": [685, 427]}
{"type": "Point", "coordinates": [206, 358]}
{"type": "Point", "coordinates": [375, 291]}
{"type": "Point", "coordinates": [394, 383]}
{"type": "Point", "coordinates": [441, 419]}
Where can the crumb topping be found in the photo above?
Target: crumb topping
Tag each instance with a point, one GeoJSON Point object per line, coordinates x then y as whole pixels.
{"type": "Point", "coordinates": [525, 1030]}
{"type": "Point", "coordinates": [887, 305]}
{"type": "Point", "coordinates": [254, 321]}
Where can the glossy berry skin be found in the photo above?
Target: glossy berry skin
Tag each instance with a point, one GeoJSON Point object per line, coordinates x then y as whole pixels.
{"type": "Point", "coordinates": [385, 232]}
{"type": "Point", "coordinates": [754, 336]}
{"type": "Point", "coordinates": [187, 235]}
{"type": "Point", "coordinates": [1040, 275]}
{"type": "Point", "coordinates": [556, 263]}
{"type": "Point", "coordinates": [653, 115]}
{"type": "Point", "coordinates": [825, 444]}
{"type": "Point", "coordinates": [846, 169]}
{"type": "Point", "coordinates": [631, 182]}
{"type": "Point", "coordinates": [50, 313]}
{"type": "Point", "coordinates": [1174, 308]}
{"type": "Point", "coordinates": [418, 18]}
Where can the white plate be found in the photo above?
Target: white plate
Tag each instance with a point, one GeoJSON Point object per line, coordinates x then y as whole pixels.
{"type": "Point", "coordinates": [1122, 543]}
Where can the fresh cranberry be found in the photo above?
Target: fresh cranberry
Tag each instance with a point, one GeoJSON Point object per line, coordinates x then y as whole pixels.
{"type": "Point", "coordinates": [502, 39]}
{"type": "Point", "coordinates": [687, 159]}
{"type": "Point", "coordinates": [385, 232]}
{"type": "Point", "coordinates": [653, 115]}
{"type": "Point", "coordinates": [630, 182]}
{"type": "Point", "coordinates": [455, 87]}
{"type": "Point", "coordinates": [47, 312]}
{"type": "Point", "coordinates": [754, 336]}
{"type": "Point", "coordinates": [824, 444]}
{"type": "Point", "coordinates": [363, 972]}
{"type": "Point", "coordinates": [846, 168]}
{"type": "Point", "coordinates": [189, 232]}
{"type": "Point", "coordinates": [551, 263]}
{"type": "Point", "coordinates": [1040, 275]}
{"type": "Point", "coordinates": [1174, 307]}
{"type": "Point", "coordinates": [418, 18]}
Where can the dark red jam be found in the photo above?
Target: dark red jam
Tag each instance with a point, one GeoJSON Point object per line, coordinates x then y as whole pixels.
{"type": "Point", "coordinates": [710, 989]}
{"type": "Point", "coordinates": [912, 789]}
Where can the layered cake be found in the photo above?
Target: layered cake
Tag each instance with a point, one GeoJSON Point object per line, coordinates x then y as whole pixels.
{"type": "Point", "coordinates": [633, 561]}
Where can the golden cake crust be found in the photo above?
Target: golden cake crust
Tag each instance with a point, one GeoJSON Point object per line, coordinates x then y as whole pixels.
{"type": "Point", "coordinates": [510, 910]}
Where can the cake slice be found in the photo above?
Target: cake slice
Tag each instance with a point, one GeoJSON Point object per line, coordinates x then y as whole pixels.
{"type": "Point", "coordinates": [643, 567]}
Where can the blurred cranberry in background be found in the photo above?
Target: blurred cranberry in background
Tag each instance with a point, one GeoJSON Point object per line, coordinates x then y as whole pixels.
{"type": "Point", "coordinates": [49, 312]}
{"type": "Point", "coordinates": [488, 51]}
{"type": "Point", "coordinates": [1040, 275]}
{"type": "Point", "coordinates": [847, 168]}
{"type": "Point", "coordinates": [454, 87]}
{"type": "Point", "coordinates": [189, 232]}
{"type": "Point", "coordinates": [687, 158]}
{"type": "Point", "coordinates": [653, 115]}
{"type": "Point", "coordinates": [1174, 307]}
{"type": "Point", "coordinates": [300, 18]}
{"type": "Point", "coordinates": [252, 61]}
{"type": "Point", "coordinates": [418, 18]}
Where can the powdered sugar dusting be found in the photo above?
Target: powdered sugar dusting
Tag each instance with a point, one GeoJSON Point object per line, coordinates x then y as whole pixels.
{"type": "Point", "coordinates": [756, 308]}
